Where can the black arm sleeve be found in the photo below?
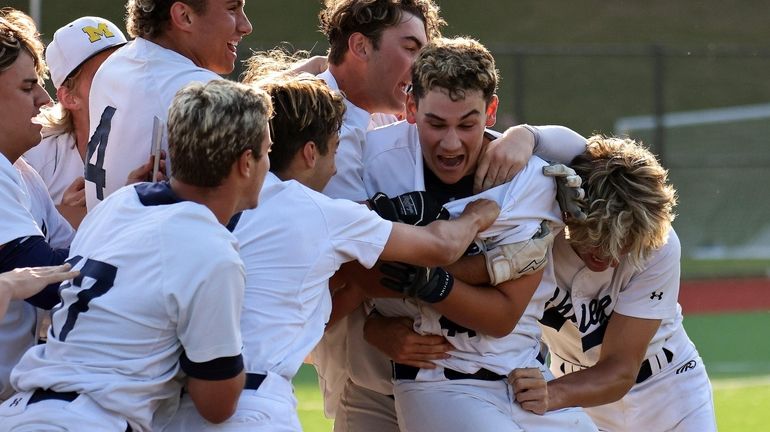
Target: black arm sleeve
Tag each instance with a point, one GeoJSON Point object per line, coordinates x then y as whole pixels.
{"type": "Point", "coordinates": [34, 252]}
{"type": "Point", "coordinates": [214, 370]}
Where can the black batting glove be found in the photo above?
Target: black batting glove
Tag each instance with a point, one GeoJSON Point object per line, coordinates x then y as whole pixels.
{"type": "Point", "coordinates": [430, 285]}
{"type": "Point", "coordinates": [413, 208]}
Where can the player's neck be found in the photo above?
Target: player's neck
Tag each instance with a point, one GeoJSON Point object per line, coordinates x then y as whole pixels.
{"type": "Point", "coordinates": [171, 41]}
{"type": "Point", "coordinates": [351, 84]}
{"type": "Point", "coordinates": [218, 199]}
{"type": "Point", "coordinates": [80, 122]}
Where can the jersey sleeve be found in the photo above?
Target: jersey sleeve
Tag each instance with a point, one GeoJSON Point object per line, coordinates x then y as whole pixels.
{"type": "Point", "coordinates": [652, 293]}
{"type": "Point", "coordinates": [17, 221]}
{"type": "Point", "coordinates": [558, 143]}
{"type": "Point", "coordinates": [356, 232]}
{"type": "Point", "coordinates": [209, 326]}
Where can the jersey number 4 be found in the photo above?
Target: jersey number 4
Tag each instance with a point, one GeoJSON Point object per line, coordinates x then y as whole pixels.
{"type": "Point", "coordinates": [102, 274]}
{"type": "Point", "coordinates": [98, 144]}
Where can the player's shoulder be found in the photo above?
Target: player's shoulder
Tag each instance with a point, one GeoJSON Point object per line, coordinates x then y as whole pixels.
{"type": "Point", "coordinates": [670, 252]}
{"type": "Point", "coordinates": [396, 137]}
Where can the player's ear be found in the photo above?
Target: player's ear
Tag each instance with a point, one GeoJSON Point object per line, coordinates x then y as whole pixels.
{"type": "Point", "coordinates": [411, 108]}
{"type": "Point", "coordinates": [181, 15]}
{"type": "Point", "coordinates": [245, 162]}
{"type": "Point", "coordinates": [67, 98]}
{"type": "Point", "coordinates": [309, 154]}
{"type": "Point", "coordinates": [492, 111]}
{"type": "Point", "coordinates": [359, 46]}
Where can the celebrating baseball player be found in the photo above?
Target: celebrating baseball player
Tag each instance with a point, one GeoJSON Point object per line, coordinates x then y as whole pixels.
{"type": "Point", "coordinates": [372, 46]}
{"type": "Point", "coordinates": [32, 232]}
{"type": "Point", "coordinates": [287, 302]}
{"type": "Point", "coordinates": [492, 329]}
{"type": "Point", "coordinates": [175, 43]}
{"type": "Point", "coordinates": [74, 55]}
{"type": "Point", "coordinates": [613, 325]}
{"type": "Point", "coordinates": [152, 300]}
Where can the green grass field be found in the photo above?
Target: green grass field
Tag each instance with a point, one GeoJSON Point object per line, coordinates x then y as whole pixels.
{"type": "Point", "coordinates": [735, 348]}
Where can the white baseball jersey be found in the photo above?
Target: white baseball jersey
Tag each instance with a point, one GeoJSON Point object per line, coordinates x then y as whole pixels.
{"type": "Point", "coordinates": [291, 245]}
{"type": "Point", "coordinates": [577, 315]}
{"type": "Point", "coordinates": [330, 355]}
{"type": "Point", "coordinates": [135, 84]}
{"type": "Point", "coordinates": [25, 210]}
{"type": "Point", "coordinates": [578, 310]}
{"type": "Point", "coordinates": [58, 162]}
{"type": "Point", "coordinates": [148, 292]}
{"type": "Point", "coordinates": [287, 301]}
{"type": "Point", "coordinates": [395, 166]}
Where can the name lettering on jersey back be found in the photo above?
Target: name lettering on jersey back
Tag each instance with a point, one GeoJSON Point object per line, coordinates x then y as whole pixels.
{"type": "Point", "coordinates": [97, 33]}
{"type": "Point", "coordinates": [591, 318]}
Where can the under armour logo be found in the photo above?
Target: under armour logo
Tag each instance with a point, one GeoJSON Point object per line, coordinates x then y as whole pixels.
{"type": "Point", "coordinates": [15, 402]}
{"type": "Point", "coordinates": [687, 366]}
{"type": "Point", "coordinates": [656, 295]}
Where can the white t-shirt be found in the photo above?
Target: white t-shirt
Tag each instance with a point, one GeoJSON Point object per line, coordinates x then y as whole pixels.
{"type": "Point", "coordinates": [395, 166]}
{"type": "Point", "coordinates": [25, 210]}
{"type": "Point", "coordinates": [578, 310]}
{"type": "Point", "coordinates": [58, 162]}
{"type": "Point", "coordinates": [291, 245]}
{"type": "Point", "coordinates": [156, 291]}
{"type": "Point", "coordinates": [135, 84]}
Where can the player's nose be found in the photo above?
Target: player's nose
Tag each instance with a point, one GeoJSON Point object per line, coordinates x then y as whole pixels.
{"type": "Point", "coordinates": [244, 25]}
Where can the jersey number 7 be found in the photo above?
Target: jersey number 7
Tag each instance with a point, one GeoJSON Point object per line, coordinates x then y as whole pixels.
{"type": "Point", "coordinates": [98, 144]}
{"type": "Point", "coordinates": [103, 275]}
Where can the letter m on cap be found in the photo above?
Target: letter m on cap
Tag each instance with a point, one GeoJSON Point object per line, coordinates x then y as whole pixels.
{"type": "Point", "coordinates": [98, 32]}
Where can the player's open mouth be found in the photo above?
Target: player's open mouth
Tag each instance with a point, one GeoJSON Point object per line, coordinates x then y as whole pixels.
{"type": "Point", "coordinates": [450, 162]}
{"type": "Point", "coordinates": [233, 47]}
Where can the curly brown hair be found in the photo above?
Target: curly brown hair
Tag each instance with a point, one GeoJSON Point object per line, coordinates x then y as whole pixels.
{"type": "Point", "coordinates": [341, 18]}
{"type": "Point", "coordinates": [456, 65]}
{"type": "Point", "coordinates": [17, 32]}
{"type": "Point", "coordinates": [148, 18]}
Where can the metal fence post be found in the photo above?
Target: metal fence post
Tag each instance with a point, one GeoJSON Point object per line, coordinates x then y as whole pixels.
{"type": "Point", "coordinates": [658, 97]}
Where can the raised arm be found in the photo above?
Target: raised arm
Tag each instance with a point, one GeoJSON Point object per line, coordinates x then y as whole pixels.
{"type": "Point", "coordinates": [505, 154]}
{"type": "Point", "coordinates": [441, 242]}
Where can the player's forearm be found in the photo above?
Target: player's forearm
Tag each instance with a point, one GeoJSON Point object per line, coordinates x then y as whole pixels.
{"type": "Point", "coordinates": [5, 298]}
{"type": "Point", "coordinates": [470, 269]}
{"type": "Point", "coordinates": [597, 385]}
{"type": "Point", "coordinates": [484, 309]}
{"type": "Point", "coordinates": [453, 237]}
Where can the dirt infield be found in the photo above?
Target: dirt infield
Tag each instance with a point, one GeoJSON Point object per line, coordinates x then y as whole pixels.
{"type": "Point", "coordinates": [724, 295]}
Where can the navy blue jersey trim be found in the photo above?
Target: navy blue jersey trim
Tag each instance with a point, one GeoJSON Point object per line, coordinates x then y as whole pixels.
{"type": "Point", "coordinates": [234, 221]}
{"type": "Point", "coordinates": [155, 194]}
{"type": "Point", "coordinates": [213, 370]}
{"type": "Point", "coordinates": [33, 252]}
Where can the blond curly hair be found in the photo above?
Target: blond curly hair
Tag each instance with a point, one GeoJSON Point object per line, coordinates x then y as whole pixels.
{"type": "Point", "coordinates": [629, 201]}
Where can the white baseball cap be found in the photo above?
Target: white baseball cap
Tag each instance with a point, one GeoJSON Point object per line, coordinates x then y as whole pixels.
{"type": "Point", "coordinates": [77, 42]}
